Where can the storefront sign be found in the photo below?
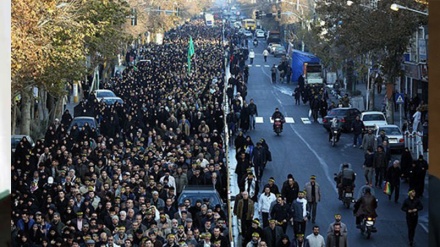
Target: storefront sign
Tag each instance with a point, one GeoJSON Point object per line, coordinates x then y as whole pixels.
{"type": "Point", "coordinates": [412, 70]}
{"type": "Point", "coordinates": [422, 50]}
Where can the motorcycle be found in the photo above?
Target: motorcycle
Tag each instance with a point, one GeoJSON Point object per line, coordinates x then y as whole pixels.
{"type": "Point", "coordinates": [335, 136]}
{"type": "Point", "coordinates": [278, 126]}
{"type": "Point", "coordinates": [368, 223]}
{"type": "Point", "coordinates": [255, 43]}
{"type": "Point", "coordinates": [367, 226]}
{"type": "Point", "coordinates": [347, 196]}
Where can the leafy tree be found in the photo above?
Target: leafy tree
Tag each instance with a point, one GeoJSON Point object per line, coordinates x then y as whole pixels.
{"type": "Point", "coordinates": [367, 33]}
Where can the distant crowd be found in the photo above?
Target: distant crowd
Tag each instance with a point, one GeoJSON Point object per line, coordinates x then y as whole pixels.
{"type": "Point", "coordinates": [118, 185]}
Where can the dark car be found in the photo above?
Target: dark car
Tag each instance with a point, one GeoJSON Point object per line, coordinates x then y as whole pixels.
{"type": "Point", "coordinates": [345, 114]}
{"type": "Point", "coordinates": [201, 192]}
{"type": "Point", "coordinates": [80, 121]}
{"type": "Point", "coordinates": [279, 51]}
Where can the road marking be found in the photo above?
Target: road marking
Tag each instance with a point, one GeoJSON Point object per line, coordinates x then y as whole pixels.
{"type": "Point", "coordinates": [305, 120]}
{"type": "Point", "coordinates": [289, 120]}
{"type": "Point", "coordinates": [249, 65]}
{"type": "Point", "coordinates": [259, 120]}
{"type": "Point", "coordinates": [267, 66]}
{"type": "Point", "coordinates": [257, 65]}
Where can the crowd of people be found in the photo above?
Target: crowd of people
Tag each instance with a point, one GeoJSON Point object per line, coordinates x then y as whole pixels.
{"type": "Point", "coordinates": [118, 185]}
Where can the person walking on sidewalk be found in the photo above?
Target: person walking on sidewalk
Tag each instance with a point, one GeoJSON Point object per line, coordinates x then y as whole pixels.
{"type": "Point", "coordinates": [251, 56]}
{"type": "Point", "coordinates": [380, 165]}
{"type": "Point", "coordinates": [313, 196]}
{"type": "Point", "coordinates": [273, 71]}
{"type": "Point", "coordinates": [368, 166]}
{"type": "Point", "coordinates": [411, 206]}
{"type": "Point", "coordinates": [297, 95]}
{"type": "Point", "coordinates": [394, 173]}
{"type": "Point", "coordinates": [253, 112]}
{"type": "Point", "coordinates": [358, 128]}
{"type": "Point", "coordinates": [265, 54]}
{"type": "Point", "coordinates": [368, 141]}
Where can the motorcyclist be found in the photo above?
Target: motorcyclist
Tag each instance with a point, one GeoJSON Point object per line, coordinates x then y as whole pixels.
{"type": "Point", "coordinates": [365, 206]}
{"type": "Point", "coordinates": [255, 42]}
{"type": "Point", "coordinates": [346, 177]}
{"type": "Point", "coordinates": [335, 125]}
{"type": "Point", "coordinates": [277, 114]}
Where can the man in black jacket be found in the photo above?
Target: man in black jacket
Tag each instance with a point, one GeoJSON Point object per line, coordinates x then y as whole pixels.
{"type": "Point", "coordinates": [253, 112]}
{"type": "Point", "coordinates": [259, 160]}
{"type": "Point", "coordinates": [411, 206]}
{"type": "Point", "coordinates": [358, 128]}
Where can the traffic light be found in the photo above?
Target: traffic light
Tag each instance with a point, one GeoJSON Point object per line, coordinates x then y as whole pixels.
{"type": "Point", "coordinates": [257, 15]}
{"type": "Point", "coordinates": [279, 14]}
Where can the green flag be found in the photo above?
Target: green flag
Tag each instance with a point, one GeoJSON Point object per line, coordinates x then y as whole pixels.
{"type": "Point", "coordinates": [190, 53]}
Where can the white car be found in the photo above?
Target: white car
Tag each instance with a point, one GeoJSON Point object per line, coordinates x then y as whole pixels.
{"type": "Point", "coordinates": [247, 33]}
{"type": "Point", "coordinates": [394, 134]}
{"type": "Point", "coordinates": [371, 119]}
{"type": "Point", "coordinates": [259, 33]}
{"type": "Point", "coordinates": [102, 93]}
{"type": "Point", "coordinates": [271, 47]}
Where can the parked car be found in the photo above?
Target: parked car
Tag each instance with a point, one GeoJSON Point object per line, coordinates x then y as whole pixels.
{"type": "Point", "coordinates": [279, 51]}
{"type": "Point", "coordinates": [81, 121]}
{"type": "Point", "coordinates": [345, 114]}
{"type": "Point", "coordinates": [101, 93]}
{"type": "Point", "coordinates": [201, 192]}
{"type": "Point", "coordinates": [373, 118]}
{"type": "Point", "coordinates": [394, 134]}
{"type": "Point", "coordinates": [273, 47]}
{"type": "Point", "coordinates": [15, 140]}
{"type": "Point", "coordinates": [259, 33]}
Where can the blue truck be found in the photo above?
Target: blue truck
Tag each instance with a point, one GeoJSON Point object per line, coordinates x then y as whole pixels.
{"type": "Point", "coordinates": [308, 65]}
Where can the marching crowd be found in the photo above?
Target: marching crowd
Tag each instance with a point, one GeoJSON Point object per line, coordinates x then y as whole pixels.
{"type": "Point", "coordinates": [118, 185]}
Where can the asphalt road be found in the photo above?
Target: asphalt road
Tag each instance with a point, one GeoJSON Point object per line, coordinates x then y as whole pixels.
{"type": "Point", "coordinates": [303, 149]}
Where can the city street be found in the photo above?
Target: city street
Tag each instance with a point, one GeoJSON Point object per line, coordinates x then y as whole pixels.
{"type": "Point", "coordinates": [302, 149]}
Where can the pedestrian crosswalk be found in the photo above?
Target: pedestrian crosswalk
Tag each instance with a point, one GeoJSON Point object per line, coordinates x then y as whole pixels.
{"type": "Point", "coordinates": [289, 120]}
{"type": "Point", "coordinates": [259, 65]}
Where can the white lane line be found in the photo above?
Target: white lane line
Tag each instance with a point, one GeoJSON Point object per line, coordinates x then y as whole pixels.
{"type": "Point", "coordinates": [249, 65]}
{"type": "Point", "coordinates": [267, 66]}
{"type": "Point", "coordinates": [257, 65]}
{"type": "Point", "coordinates": [289, 120]}
{"type": "Point", "coordinates": [259, 120]}
{"type": "Point", "coordinates": [305, 120]}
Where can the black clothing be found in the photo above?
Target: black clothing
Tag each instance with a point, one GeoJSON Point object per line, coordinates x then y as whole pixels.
{"type": "Point", "coordinates": [412, 217]}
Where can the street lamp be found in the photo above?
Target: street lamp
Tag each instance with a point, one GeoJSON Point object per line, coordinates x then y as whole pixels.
{"type": "Point", "coordinates": [396, 7]}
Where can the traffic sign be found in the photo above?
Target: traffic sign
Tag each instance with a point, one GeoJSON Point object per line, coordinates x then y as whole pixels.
{"type": "Point", "coordinates": [400, 98]}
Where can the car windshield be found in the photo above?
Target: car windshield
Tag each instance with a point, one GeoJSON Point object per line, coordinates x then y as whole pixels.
{"type": "Point", "coordinates": [373, 117]}
{"type": "Point", "coordinates": [101, 94]}
{"type": "Point", "coordinates": [14, 142]}
{"type": "Point", "coordinates": [391, 131]}
{"type": "Point", "coordinates": [193, 197]}
{"type": "Point", "coordinates": [81, 122]}
{"type": "Point", "coordinates": [111, 101]}
{"type": "Point", "coordinates": [337, 112]}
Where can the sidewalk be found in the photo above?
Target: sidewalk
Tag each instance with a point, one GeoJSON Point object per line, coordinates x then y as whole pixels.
{"type": "Point", "coordinates": [378, 101]}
